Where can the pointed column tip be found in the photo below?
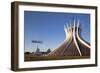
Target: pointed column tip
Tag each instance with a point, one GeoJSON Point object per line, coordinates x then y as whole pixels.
{"type": "Point", "coordinates": [78, 23]}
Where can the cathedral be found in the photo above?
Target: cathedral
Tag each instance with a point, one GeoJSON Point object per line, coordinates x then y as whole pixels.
{"type": "Point", "coordinates": [73, 44]}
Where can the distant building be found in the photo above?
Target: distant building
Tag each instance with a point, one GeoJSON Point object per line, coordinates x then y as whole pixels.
{"type": "Point", "coordinates": [38, 52]}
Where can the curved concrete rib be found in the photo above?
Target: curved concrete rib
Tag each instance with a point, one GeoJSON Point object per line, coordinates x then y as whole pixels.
{"type": "Point", "coordinates": [65, 41]}
{"type": "Point", "coordinates": [68, 41]}
{"type": "Point", "coordinates": [77, 34]}
{"type": "Point", "coordinates": [65, 32]}
{"type": "Point", "coordinates": [70, 36]}
{"type": "Point", "coordinates": [74, 37]}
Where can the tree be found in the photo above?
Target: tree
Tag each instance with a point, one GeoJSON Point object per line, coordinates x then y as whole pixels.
{"type": "Point", "coordinates": [27, 52]}
{"type": "Point", "coordinates": [49, 50]}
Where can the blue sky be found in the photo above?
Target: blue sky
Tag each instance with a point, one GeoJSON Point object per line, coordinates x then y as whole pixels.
{"type": "Point", "coordinates": [49, 28]}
